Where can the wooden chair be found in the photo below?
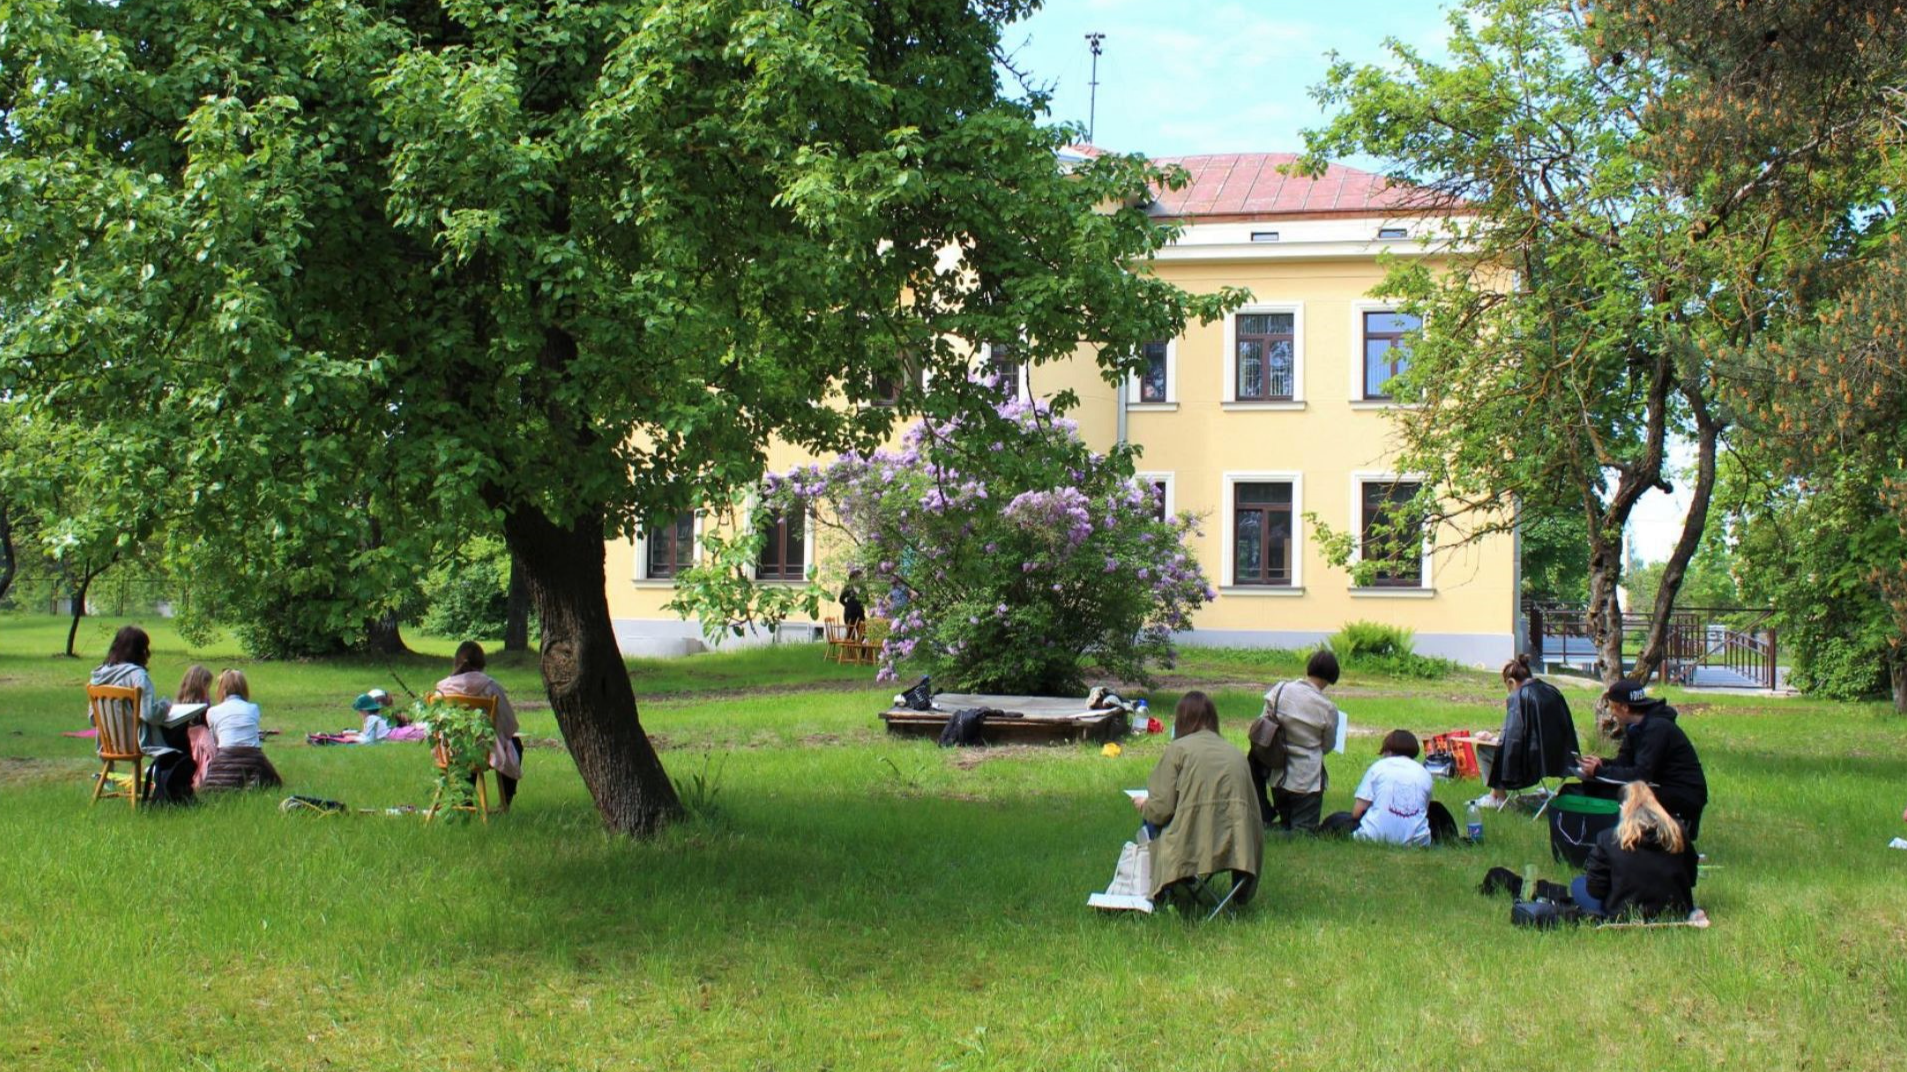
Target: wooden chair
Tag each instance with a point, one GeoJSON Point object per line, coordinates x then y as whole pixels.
{"type": "Point", "coordinates": [488, 705]}
{"type": "Point", "coordinates": [866, 649]}
{"type": "Point", "coordinates": [836, 635]}
{"type": "Point", "coordinates": [115, 713]}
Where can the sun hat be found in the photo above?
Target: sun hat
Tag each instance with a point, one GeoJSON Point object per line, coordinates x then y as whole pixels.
{"type": "Point", "coordinates": [366, 703]}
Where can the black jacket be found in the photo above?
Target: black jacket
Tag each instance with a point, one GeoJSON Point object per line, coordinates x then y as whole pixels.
{"type": "Point", "coordinates": [1655, 750]}
{"type": "Point", "coordinates": [1646, 880]}
{"type": "Point", "coordinates": [1539, 739]}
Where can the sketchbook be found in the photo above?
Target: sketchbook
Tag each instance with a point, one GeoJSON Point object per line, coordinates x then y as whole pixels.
{"type": "Point", "coordinates": [183, 713]}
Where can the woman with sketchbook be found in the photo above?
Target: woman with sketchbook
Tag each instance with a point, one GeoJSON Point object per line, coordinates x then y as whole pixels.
{"type": "Point", "coordinates": [1201, 801]}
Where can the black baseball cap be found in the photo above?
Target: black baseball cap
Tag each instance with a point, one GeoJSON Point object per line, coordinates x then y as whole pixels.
{"type": "Point", "coordinates": [1630, 693]}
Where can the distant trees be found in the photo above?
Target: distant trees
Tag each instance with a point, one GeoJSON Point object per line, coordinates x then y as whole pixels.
{"type": "Point", "coordinates": [1646, 199]}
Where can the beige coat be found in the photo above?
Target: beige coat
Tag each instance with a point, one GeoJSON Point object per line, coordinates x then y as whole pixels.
{"type": "Point", "coordinates": [1311, 728]}
{"type": "Point", "coordinates": [1201, 794]}
{"type": "Point", "coordinates": [503, 758]}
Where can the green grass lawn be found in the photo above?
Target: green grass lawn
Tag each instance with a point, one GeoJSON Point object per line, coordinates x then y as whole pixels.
{"type": "Point", "coordinates": [857, 902]}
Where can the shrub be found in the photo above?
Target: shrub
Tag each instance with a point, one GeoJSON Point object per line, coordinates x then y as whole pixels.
{"type": "Point", "coordinates": [1007, 554]}
{"type": "Point", "coordinates": [1839, 668]}
{"type": "Point", "coordinates": [1359, 640]}
{"type": "Point", "coordinates": [1385, 649]}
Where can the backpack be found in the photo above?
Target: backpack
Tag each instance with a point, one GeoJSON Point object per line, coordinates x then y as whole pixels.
{"type": "Point", "coordinates": [169, 778]}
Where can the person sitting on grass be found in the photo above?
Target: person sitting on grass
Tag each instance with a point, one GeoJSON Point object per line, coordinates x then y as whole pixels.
{"type": "Point", "coordinates": [1393, 804]}
{"type": "Point", "coordinates": [1200, 804]}
{"type": "Point", "coordinates": [196, 688]}
{"type": "Point", "coordinates": [1644, 866]}
{"type": "Point", "coordinates": [468, 679]}
{"type": "Point", "coordinates": [372, 706]}
{"type": "Point", "coordinates": [240, 761]}
{"type": "Point", "coordinates": [1654, 750]}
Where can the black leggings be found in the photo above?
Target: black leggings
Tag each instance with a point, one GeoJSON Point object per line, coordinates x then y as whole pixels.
{"type": "Point", "coordinates": [506, 783]}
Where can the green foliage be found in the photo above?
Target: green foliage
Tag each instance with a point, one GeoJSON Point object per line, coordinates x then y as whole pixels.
{"type": "Point", "coordinates": [364, 278]}
{"type": "Point", "coordinates": [1555, 556]}
{"type": "Point", "coordinates": [1363, 638]}
{"type": "Point", "coordinates": [699, 789]}
{"type": "Point", "coordinates": [469, 595]}
{"type": "Point", "coordinates": [1378, 648]}
{"type": "Point", "coordinates": [461, 738]}
{"type": "Point", "coordinates": [1821, 555]}
{"type": "Point", "coordinates": [1709, 582]}
{"type": "Point", "coordinates": [1634, 215]}
{"type": "Point", "coordinates": [719, 589]}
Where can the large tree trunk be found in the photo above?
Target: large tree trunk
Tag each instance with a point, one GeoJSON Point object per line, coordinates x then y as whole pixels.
{"type": "Point", "coordinates": [384, 636]}
{"type": "Point", "coordinates": [1897, 677]}
{"type": "Point", "coordinates": [583, 671]}
{"type": "Point", "coordinates": [1694, 525]}
{"type": "Point", "coordinates": [516, 621]}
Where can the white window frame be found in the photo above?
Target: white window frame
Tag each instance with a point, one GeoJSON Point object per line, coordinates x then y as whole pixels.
{"type": "Point", "coordinates": [1426, 585]}
{"type": "Point", "coordinates": [642, 554]}
{"type": "Point", "coordinates": [1228, 367]}
{"type": "Point", "coordinates": [1134, 404]}
{"type": "Point", "coordinates": [1171, 491]}
{"type": "Point", "coordinates": [1227, 582]}
{"type": "Point", "coordinates": [1358, 399]}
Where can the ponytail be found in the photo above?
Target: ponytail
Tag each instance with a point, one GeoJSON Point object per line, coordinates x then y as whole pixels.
{"type": "Point", "coordinates": [1517, 669]}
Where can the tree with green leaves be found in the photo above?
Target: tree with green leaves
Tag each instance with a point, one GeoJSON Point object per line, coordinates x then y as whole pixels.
{"type": "Point", "coordinates": [1624, 220]}
{"type": "Point", "coordinates": [565, 266]}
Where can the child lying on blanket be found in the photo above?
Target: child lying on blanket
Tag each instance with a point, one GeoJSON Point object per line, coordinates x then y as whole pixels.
{"type": "Point", "coordinates": [374, 706]}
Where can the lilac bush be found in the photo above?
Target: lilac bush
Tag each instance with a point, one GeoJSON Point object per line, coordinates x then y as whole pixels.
{"type": "Point", "coordinates": [1009, 556]}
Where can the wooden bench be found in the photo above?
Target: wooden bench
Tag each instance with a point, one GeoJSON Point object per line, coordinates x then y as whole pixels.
{"type": "Point", "coordinates": [1035, 719]}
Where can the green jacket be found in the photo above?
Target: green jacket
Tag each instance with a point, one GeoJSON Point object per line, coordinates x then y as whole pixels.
{"type": "Point", "coordinates": [1201, 794]}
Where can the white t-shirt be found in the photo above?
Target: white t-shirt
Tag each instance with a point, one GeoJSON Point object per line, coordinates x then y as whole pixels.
{"type": "Point", "coordinates": [234, 724]}
{"type": "Point", "coordinates": [1399, 792]}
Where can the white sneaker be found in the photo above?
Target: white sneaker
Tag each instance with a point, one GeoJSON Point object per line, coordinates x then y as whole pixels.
{"type": "Point", "coordinates": [1487, 801]}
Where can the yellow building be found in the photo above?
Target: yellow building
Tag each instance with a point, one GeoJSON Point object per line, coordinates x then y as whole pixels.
{"type": "Point", "coordinates": [1253, 422]}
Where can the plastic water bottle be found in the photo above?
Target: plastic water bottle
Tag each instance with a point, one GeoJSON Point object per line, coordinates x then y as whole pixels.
{"type": "Point", "coordinates": [1474, 818]}
{"type": "Point", "coordinates": [1141, 717]}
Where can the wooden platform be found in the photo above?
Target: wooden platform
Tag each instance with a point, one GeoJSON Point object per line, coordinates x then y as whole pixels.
{"type": "Point", "coordinates": [1041, 719]}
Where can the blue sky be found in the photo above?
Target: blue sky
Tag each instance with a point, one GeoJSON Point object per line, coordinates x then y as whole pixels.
{"type": "Point", "coordinates": [1208, 76]}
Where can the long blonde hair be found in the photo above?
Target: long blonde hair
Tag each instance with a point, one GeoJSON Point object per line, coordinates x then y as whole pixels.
{"type": "Point", "coordinates": [1641, 814]}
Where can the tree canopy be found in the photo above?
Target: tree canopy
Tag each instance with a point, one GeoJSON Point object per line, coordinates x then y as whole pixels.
{"type": "Point", "coordinates": [561, 266]}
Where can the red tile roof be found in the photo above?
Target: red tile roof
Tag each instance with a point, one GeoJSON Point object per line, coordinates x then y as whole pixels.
{"type": "Point", "coordinates": [1250, 185]}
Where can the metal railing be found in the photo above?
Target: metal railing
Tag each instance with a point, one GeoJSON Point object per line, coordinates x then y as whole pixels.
{"type": "Point", "coordinates": [1737, 639]}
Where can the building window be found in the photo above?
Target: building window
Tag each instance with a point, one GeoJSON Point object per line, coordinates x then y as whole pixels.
{"type": "Point", "coordinates": [1152, 381]}
{"type": "Point", "coordinates": [784, 551]}
{"type": "Point", "coordinates": [1387, 534]}
{"type": "Point", "coordinates": [1266, 357]}
{"type": "Point", "coordinates": [888, 388]}
{"type": "Point", "coordinates": [1159, 495]}
{"type": "Point", "coordinates": [1393, 232]}
{"type": "Point", "coordinates": [1003, 363]}
{"type": "Point", "coordinates": [1385, 354]}
{"type": "Point", "coordinates": [671, 547]}
{"type": "Point", "coordinates": [1261, 534]}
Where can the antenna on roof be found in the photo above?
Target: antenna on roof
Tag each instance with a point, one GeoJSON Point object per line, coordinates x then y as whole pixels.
{"type": "Point", "coordinates": [1094, 41]}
